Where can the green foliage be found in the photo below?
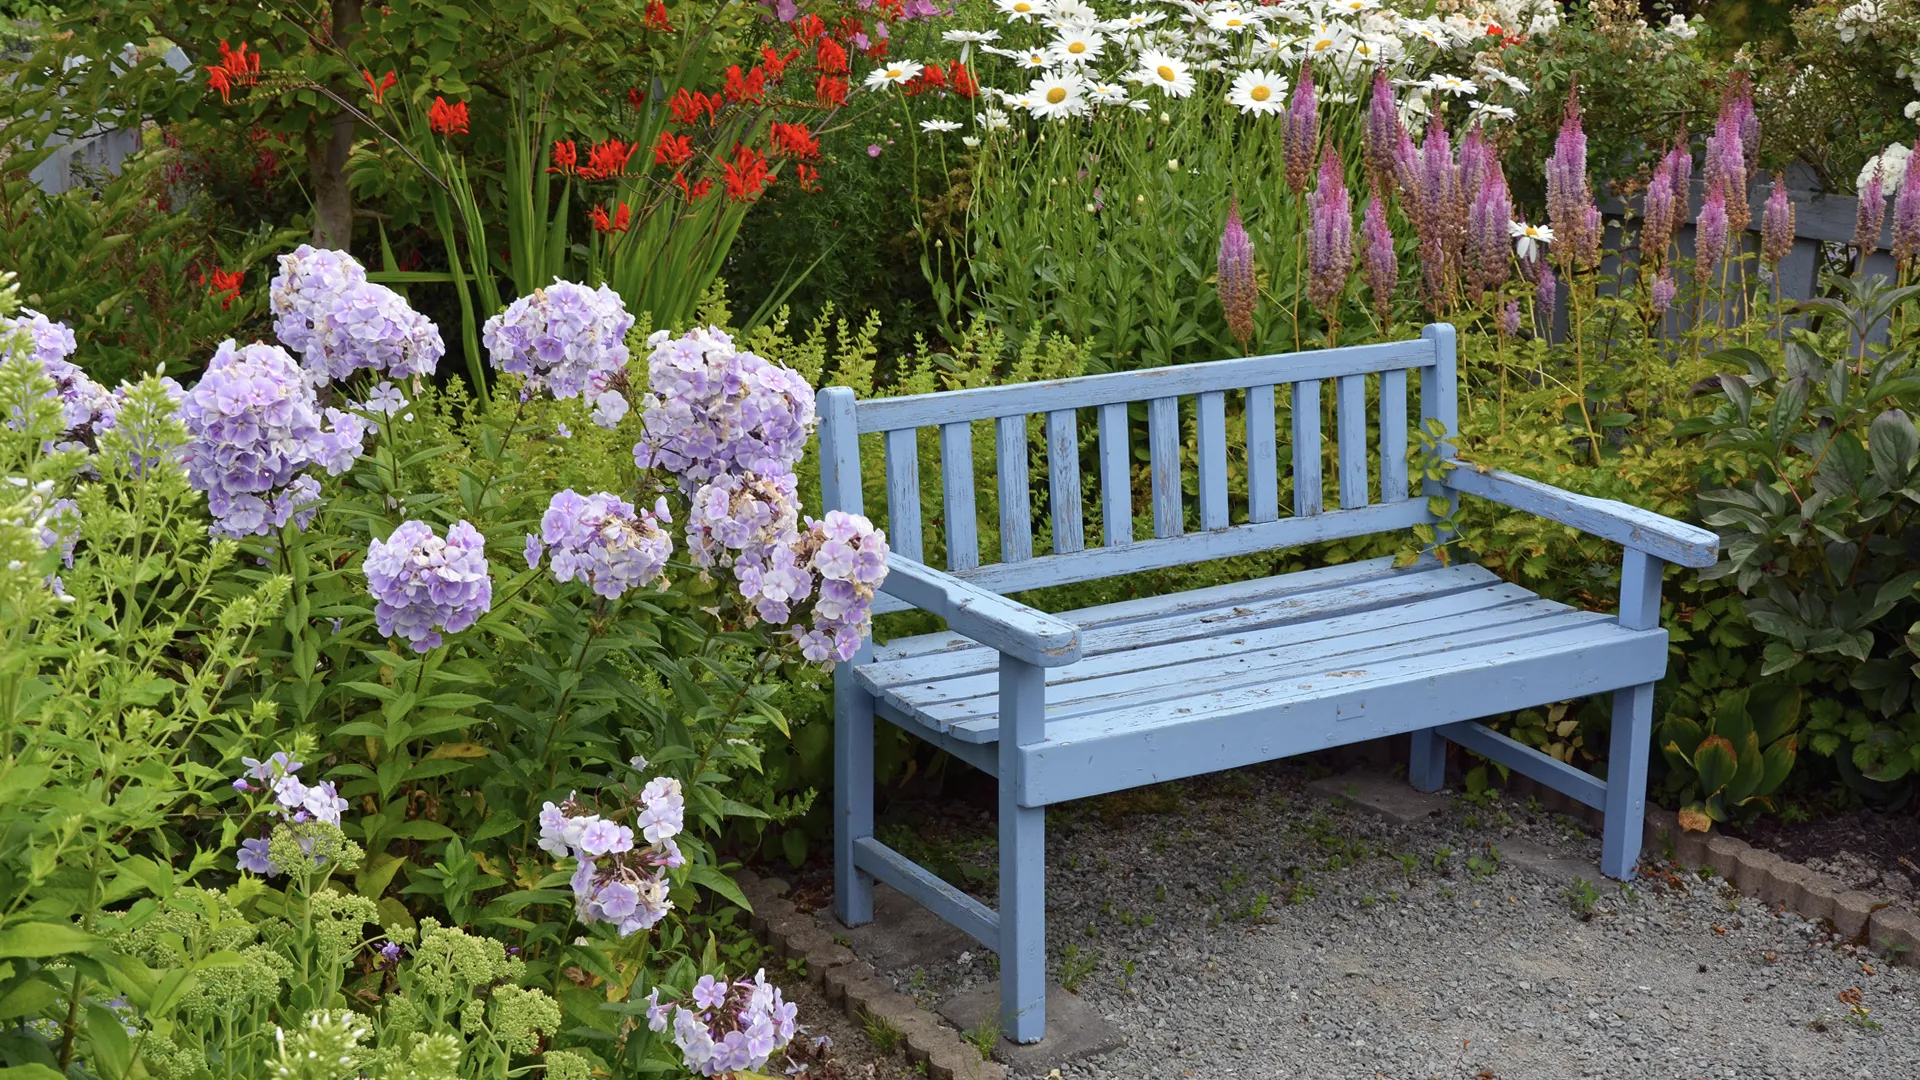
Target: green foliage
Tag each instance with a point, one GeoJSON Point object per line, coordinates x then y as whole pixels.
{"type": "Point", "coordinates": [1727, 768]}
{"type": "Point", "coordinates": [1834, 93]}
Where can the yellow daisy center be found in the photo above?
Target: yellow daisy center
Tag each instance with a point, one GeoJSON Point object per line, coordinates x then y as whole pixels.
{"type": "Point", "coordinates": [1056, 95]}
{"type": "Point", "coordinates": [1077, 47]}
{"type": "Point", "coordinates": [1261, 93]}
{"type": "Point", "coordinates": [1023, 8]}
{"type": "Point", "coordinates": [1165, 72]}
{"type": "Point", "coordinates": [894, 73]}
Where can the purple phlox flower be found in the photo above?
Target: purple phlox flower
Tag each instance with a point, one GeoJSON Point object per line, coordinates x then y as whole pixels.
{"type": "Point", "coordinates": [1302, 130]}
{"type": "Point", "coordinates": [561, 429]}
{"type": "Point", "coordinates": [609, 408]}
{"type": "Point", "coordinates": [710, 993]}
{"type": "Point", "coordinates": [1235, 281]}
{"type": "Point", "coordinates": [290, 793]}
{"type": "Point", "coordinates": [323, 803]}
{"type": "Point", "coordinates": [1330, 236]}
{"type": "Point", "coordinates": [1378, 263]}
{"type": "Point", "coordinates": [657, 1012]}
{"type": "Point", "coordinates": [599, 539]}
{"type": "Point", "coordinates": [730, 1027]}
{"type": "Point", "coordinates": [850, 557]}
{"type": "Point", "coordinates": [84, 404]}
{"type": "Point", "coordinates": [712, 410]}
{"type": "Point", "coordinates": [299, 296]}
{"type": "Point", "coordinates": [423, 584]}
{"type": "Point", "coordinates": [277, 764]}
{"type": "Point", "coordinates": [385, 399]}
{"type": "Point", "coordinates": [566, 339]}
{"type": "Point", "coordinates": [252, 857]}
{"type": "Point", "coordinates": [604, 837]}
{"type": "Point", "coordinates": [1776, 223]}
{"type": "Point", "coordinates": [369, 327]}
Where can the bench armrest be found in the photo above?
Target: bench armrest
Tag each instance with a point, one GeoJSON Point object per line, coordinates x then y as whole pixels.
{"type": "Point", "coordinates": [1642, 530]}
{"type": "Point", "coordinates": [987, 617]}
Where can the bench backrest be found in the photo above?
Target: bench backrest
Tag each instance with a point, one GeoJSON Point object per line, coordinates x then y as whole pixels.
{"type": "Point", "coordinates": [1224, 530]}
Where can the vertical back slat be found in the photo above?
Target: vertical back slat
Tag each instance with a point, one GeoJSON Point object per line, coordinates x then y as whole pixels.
{"type": "Point", "coordinates": [1350, 403]}
{"type": "Point", "coordinates": [903, 493]}
{"type": "Point", "coordinates": [1016, 522]}
{"type": "Point", "coordinates": [1063, 473]}
{"type": "Point", "coordinates": [1263, 451]}
{"type": "Point", "coordinates": [1212, 425]}
{"type": "Point", "coordinates": [1393, 435]}
{"type": "Point", "coordinates": [839, 451]}
{"type": "Point", "coordinates": [1306, 449]}
{"type": "Point", "coordinates": [1116, 477]}
{"type": "Point", "coordinates": [1440, 399]}
{"type": "Point", "coordinates": [956, 496]}
{"type": "Point", "coordinates": [1163, 450]}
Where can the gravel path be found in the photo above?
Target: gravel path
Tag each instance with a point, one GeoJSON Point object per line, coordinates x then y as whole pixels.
{"type": "Point", "coordinates": [1242, 927]}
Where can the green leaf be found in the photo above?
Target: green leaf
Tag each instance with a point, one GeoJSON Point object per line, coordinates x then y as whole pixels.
{"type": "Point", "coordinates": [28, 996]}
{"type": "Point", "coordinates": [30, 1072]}
{"type": "Point", "coordinates": [38, 939]}
{"type": "Point", "coordinates": [1779, 762]}
{"type": "Point", "coordinates": [112, 1051]}
{"type": "Point", "coordinates": [1715, 762]}
{"type": "Point", "coordinates": [704, 875]}
{"type": "Point", "coordinates": [1894, 444]}
{"type": "Point", "coordinates": [1753, 767]}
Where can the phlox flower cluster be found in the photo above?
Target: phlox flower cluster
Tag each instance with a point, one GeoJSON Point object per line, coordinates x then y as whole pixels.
{"type": "Point", "coordinates": [83, 402]}
{"type": "Point", "coordinates": [256, 433]}
{"type": "Point", "coordinates": [289, 800]}
{"type": "Point", "coordinates": [300, 294]}
{"type": "Point", "coordinates": [621, 875]}
{"type": "Point", "coordinates": [749, 522]}
{"type": "Point", "coordinates": [850, 557]}
{"type": "Point", "coordinates": [369, 327]}
{"type": "Point", "coordinates": [423, 584]}
{"type": "Point", "coordinates": [599, 539]}
{"type": "Point", "coordinates": [567, 340]}
{"type": "Point", "coordinates": [726, 1027]}
{"type": "Point", "coordinates": [713, 410]}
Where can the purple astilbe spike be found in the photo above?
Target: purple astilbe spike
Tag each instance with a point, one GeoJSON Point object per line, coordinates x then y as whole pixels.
{"type": "Point", "coordinates": [1406, 173]}
{"type": "Point", "coordinates": [1593, 227]}
{"type": "Point", "coordinates": [1733, 181]}
{"type": "Point", "coordinates": [1568, 193]}
{"type": "Point", "coordinates": [1303, 131]}
{"type": "Point", "coordinates": [1384, 132]}
{"type": "Point", "coordinates": [1906, 214]}
{"type": "Point", "coordinates": [1710, 235]}
{"type": "Point", "coordinates": [1664, 288]}
{"type": "Point", "coordinates": [1742, 119]}
{"type": "Point", "coordinates": [1713, 165]}
{"type": "Point", "coordinates": [1510, 318]}
{"type": "Point", "coordinates": [1330, 242]}
{"type": "Point", "coordinates": [1776, 225]}
{"type": "Point", "coordinates": [1657, 220]}
{"type": "Point", "coordinates": [1476, 157]}
{"type": "Point", "coordinates": [1546, 290]}
{"type": "Point", "coordinates": [1873, 213]}
{"type": "Point", "coordinates": [1378, 263]}
{"type": "Point", "coordinates": [1238, 293]}
{"type": "Point", "coordinates": [1487, 259]}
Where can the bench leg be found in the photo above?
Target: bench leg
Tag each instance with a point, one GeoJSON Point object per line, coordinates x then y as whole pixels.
{"type": "Point", "coordinates": [1427, 769]}
{"type": "Point", "coordinates": [1023, 866]}
{"type": "Point", "coordinates": [1627, 781]}
{"type": "Point", "coordinates": [852, 793]}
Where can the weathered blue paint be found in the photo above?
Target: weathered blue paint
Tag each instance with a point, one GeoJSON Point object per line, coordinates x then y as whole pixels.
{"type": "Point", "coordinates": [1155, 688]}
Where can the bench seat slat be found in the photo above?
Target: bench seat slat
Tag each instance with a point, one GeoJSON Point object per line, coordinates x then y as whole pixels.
{"type": "Point", "coordinates": [1106, 752]}
{"type": "Point", "coordinates": [1174, 626]}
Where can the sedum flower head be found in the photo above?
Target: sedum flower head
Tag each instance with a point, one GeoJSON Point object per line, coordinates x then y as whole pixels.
{"type": "Point", "coordinates": [423, 584]}
{"type": "Point", "coordinates": [520, 1017]}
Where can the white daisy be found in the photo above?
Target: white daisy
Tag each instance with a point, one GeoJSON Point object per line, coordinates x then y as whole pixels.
{"type": "Point", "coordinates": [896, 72]}
{"type": "Point", "coordinates": [1139, 20]}
{"type": "Point", "coordinates": [992, 119]}
{"type": "Point", "coordinates": [938, 126]}
{"type": "Point", "coordinates": [1139, 105]}
{"type": "Point", "coordinates": [1169, 73]}
{"type": "Point", "coordinates": [1019, 10]}
{"type": "Point", "coordinates": [1486, 111]}
{"type": "Point", "coordinates": [1529, 239]}
{"type": "Point", "coordinates": [1323, 38]}
{"type": "Point", "coordinates": [1077, 47]}
{"type": "Point", "coordinates": [1034, 58]}
{"type": "Point", "coordinates": [1257, 91]}
{"type": "Point", "coordinates": [1104, 93]}
{"type": "Point", "coordinates": [1230, 21]}
{"type": "Point", "coordinates": [970, 142]}
{"type": "Point", "coordinates": [1428, 31]}
{"type": "Point", "coordinates": [1075, 13]}
{"type": "Point", "coordinates": [970, 37]}
{"type": "Point", "coordinates": [1512, 83]}
{"type": "Point", "coordinates": [1057, 95]}
{"type": "Point", "coordinates": [1268, 46]}
{"type": "Point", "coordinates": [1452, 84]}
{"type": "Point", "coordinates": [1353, 7]}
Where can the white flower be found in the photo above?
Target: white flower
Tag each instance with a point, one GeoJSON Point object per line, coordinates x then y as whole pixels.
{"type": "Point", "coordinates": [992, 120]}
{"type": "Point", "coordinates": [896, 72]}
{"type": "Point", "coordinates": [1429, 31]}
{"type": "Point", "coordinates": [1018, 10]}
{"type": "Point", "coordinates": [1913, 110]}
{"type": "Point", "coordinates": [1270, 47]}
{"type": "Point", "coordinates": [1452, 84]}
{"type": "Point", "coordinates": [1076, 47]}
{"type": "Point", "coordinates": [1034, 59]}
{"type": "Point", "coordinates": [1892, 165]}
{"type": "Point", "coordinates": [1679, 28]}
{"type": "Point", "coordinates": [1057, 95]}
{"type": "Point", "coordinates": [1074, 13]}
{"type": "Point", "coordinates": [970, 142]}
{"type": "Point", "coordinates": [1528, 239]}
{"type": "Point", "coordinates": [1138, 21]}
{"type": "Point", "coordinates": [1230, 21]}
{"type": "Point", "coordinates": [938, 126]}
{"type": "Point", "coordinates": [1482, 110]}
{"type": "Point", "coordinates": [1353, 7]}
{"type": "Point", "coordinates": [1105, 93]}
{"type": "Point", "coordinates": [1322, 38]}
{"type": "Point", "coordinates": [1511, 82]}
{"type": "Point", "coordinates": [1167, 72]}
{"type": "Point", "coordinates": [1258, 91]}
{"type": "Point", "coordinates": [976, 37]}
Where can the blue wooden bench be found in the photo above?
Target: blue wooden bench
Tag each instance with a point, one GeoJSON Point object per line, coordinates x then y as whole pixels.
{"type": "Point", "coordinates": [1063, 706]}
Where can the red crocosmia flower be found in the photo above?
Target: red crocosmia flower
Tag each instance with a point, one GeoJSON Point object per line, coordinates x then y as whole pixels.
{"type": "Point", "coordinates": [636, 97]}
{"type": "Point", "coordinates": [961, 80]}
{"type": "Point", "coordinates": [877, 50]}
{"type": "Point", "coordinates": [930, 78]}
{"type": "Point", "coordinates": [776, 63]}
{"type": "Point", "coordinates": [447, 119]}
{"type": "Point", "coordinates": [378, 90]}
{"type": "Point", "coordinates": [889, 9]}
{"type": "Point", "coordinates": [809, 177]}
{"type": "Point", "coordinates": [237, 67]}
{"type": "Point", "coordinates": [692, 192]}
{"type": "Point", "coordinates": [751, 86]}
{"type": "Point", "coordinates": [830, 91]}
{"type": "Point", "coordinates": [848, 27]}
{"type": "Point", "coordinates": [688, 105]}
{"type": "Point", "coordinates": [746, 174]}
{"type": "Point", "coordinates": [807, 27]}
{"type": "Point", "coordinates": [672, 150]}
{"type": "Point", "coordinates": [225, 284]}
{"type": "Point", "coordinates": [566, 157]}
{"type": "Point", "coordinates": [607, 160]}
{"type": "Point", "coordinates": [830, 58]}
{"type": "Point", "coordinates": [794, 140]}
{"type": "Point", "coordinates": [657, 18]}
{"type": "Point", "coordinates": [621, 220]}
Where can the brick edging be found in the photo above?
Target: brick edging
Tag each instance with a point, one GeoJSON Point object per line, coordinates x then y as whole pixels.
{"type": "Point", "coordinates": [854, 985]}
{"type": "Point", "coordinates": [1856, 916]}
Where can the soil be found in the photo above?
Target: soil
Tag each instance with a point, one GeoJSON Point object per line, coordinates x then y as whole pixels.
{"type": "Point", "coordinates": [1868, 850]}
{"type": "Point", "coordinates": [849, 1054]}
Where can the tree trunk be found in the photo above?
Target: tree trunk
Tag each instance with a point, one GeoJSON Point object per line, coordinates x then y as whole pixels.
{"type": "Point", "coordinates": [327, 149]}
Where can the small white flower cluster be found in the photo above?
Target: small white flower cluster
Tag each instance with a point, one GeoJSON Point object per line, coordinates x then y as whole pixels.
{"type": "Point", "coordinates": [1857, 20]}
{"type": "Point", "coordinates": [1890, 163]}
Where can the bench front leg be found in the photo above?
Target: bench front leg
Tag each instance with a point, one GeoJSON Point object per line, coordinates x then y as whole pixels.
{"type": "Point", "coordinates": [1023, 855]}
{"type": "Point", "coordinates": [852, 790]}
{"type": "Point", "coordinates": [1632, 739]}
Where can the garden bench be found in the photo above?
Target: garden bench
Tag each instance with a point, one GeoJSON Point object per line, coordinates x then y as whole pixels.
{"type": "Point", "coordinates": [1063, 706]}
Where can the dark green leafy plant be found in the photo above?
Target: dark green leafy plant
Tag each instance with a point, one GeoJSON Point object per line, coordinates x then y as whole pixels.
{"type": "Point", "coordinates": [1728, 768]}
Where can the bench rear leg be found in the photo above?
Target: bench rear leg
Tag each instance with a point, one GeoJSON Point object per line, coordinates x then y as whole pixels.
{"type": "Point", "coordinates": [1427, 769]}
{"type": "Point", "coordinates": [852, 793]}
{"type": "Point", "coordinates": [1023, 853]}
{"type": "Point", "coordinates": [1627, 781]}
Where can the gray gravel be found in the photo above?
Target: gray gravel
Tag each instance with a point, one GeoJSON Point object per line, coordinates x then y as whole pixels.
{"type": "Point", "coordinates": [1242, 927]}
